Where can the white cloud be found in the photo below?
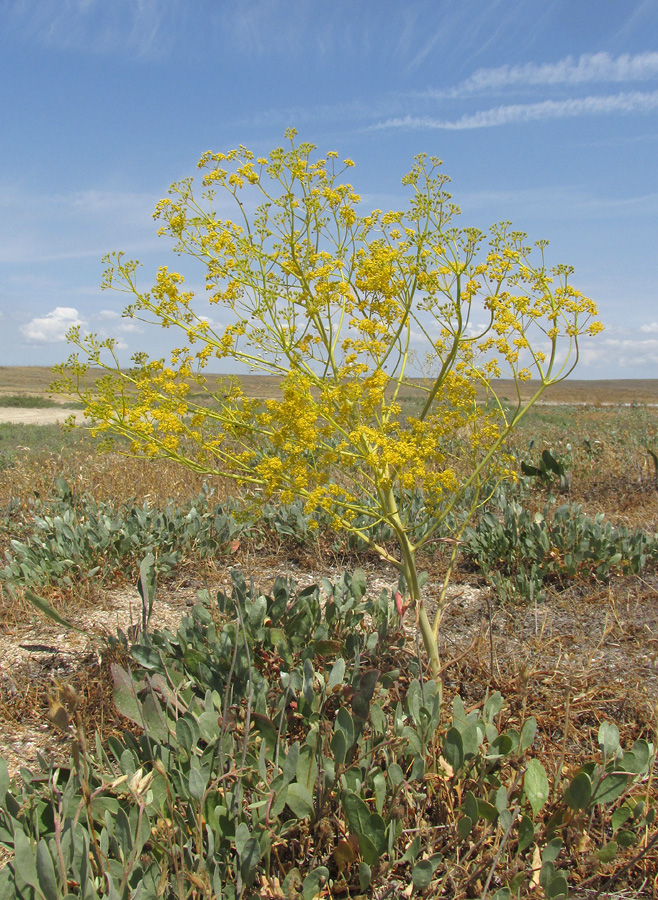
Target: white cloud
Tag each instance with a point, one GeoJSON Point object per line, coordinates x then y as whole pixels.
{"type": "Point", "coordinates": [625, 102]}
{"type": "Point", "coordinates": [652, 328]}
{"type": "Point", "coordinates": [610, 355]}
{"type": "Point", "coordinates": [53, 326]}
{"type": "Point", "coordinates": [119, 322]}
{"type": "Point", "coordinates": [590, 67]}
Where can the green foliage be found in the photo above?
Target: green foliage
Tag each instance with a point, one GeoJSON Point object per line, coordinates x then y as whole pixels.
{"type": "Point", "coordinates": [271, 722]}
{"type": "Point", "coordinates": [25, 401]}
{"type": "Point", "coordinates": [547, 469]}
{"type": "Point", "coordinates": [518, 549]}
{"type": "Point", "coordinates": [70, 539]}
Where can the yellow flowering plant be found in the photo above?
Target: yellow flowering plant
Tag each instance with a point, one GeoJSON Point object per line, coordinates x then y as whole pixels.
{"type": "Point", "coordinates": [347, 309]}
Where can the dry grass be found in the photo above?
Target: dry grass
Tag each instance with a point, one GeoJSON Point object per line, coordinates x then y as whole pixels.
{"type": "Point", "coordinates": [587, 653]}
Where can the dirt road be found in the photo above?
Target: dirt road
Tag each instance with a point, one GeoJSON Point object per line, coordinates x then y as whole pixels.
{"type": "Point", "coordinates": [49, 416]}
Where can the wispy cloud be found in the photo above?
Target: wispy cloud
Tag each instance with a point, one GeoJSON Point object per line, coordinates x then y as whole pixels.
{"type": "Point", "coordinates": [518, 113]}
{"type": "Point", "coordinates": [588, 68]}
{"type": "Point", "coordinates": [138, 27]}
{"type": "Point", "coordinates": [38, 227]}
{"type": "Point", "coordinates": [651, 328]}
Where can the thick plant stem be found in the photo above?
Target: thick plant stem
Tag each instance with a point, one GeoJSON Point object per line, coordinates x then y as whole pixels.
{"type": "Point", "coordinates": [411, 576]}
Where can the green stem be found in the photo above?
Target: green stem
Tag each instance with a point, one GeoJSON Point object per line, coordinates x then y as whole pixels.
{"type": "Point", "coordinates": [410, 572]}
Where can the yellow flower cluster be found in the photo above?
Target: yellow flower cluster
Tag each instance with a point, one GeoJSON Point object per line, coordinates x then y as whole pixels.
{"type": "Point", "coordinates": [336, 303]}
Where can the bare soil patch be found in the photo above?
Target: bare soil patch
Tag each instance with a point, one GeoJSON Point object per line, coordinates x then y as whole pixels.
{"type": "Point", "coordinates": [54, 415]}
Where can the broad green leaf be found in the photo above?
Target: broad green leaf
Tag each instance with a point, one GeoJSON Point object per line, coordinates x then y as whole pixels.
{"type": "Point", "coordinates": [368, 849]}
{"type": "Point", "coordinates": [637, 759]}
{"type": "Point", "coordinates": [365, 876]}
{"type": "Point", "coordinates": [528, 733]}
{"type": "Point", "coordinates": [339, 747]}
{"type": "Point", "coordinates": [608, 852]}
{"type": "Point", "coordinates": [610, 787]}
{"type": "Point", "coordinates": [422, 874]}
{"type": "Point", "coordinates": [198, 781]}
{"type": "Point", "coordinates": [526, 833]}
{"type": "Point", "coordinates": [300, 800]}
{"type": "Point", "coordinates": [375, 829]}
{"type": "Point", "coordinates": [608, 739]}
{"type": "Point", "coordinates": [579, 792]}
{"type": "Point", "coordinates": [46, 872]}
{"type": "Point", "coordinates": [337, 674]}
{"type": "Point", "coordinates": [464, 827]}
{"type": "Point", "coordinates": [358, 585]}
{"type": "Point", "coordinates": [24, 863]}
{"type": "Point", "coordinates": [535, 784]}
{"type": "Point", "coordinates": [4, 779]}
{"type": "Point", "coordinates": [290, 762]}
{"type": "Point", "coordinates": [249, 859]}
{"type": "Point", "coordinates": [356, 812]}
{"type": "Point", "coordinates": [453, 749]}
{"type": "Point", "coordinates": [125, 695]}
{"type": "Point", "coordinates": [552, 850]}
{"type": "Point", "coordinates": [314, 882]}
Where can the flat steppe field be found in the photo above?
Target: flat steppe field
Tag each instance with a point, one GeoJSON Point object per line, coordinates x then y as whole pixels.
{"type": "Point", "coordinates": [34, 380]}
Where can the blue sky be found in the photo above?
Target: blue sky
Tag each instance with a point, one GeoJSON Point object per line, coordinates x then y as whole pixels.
{"type": "Point", "coordinates": [544, 112]}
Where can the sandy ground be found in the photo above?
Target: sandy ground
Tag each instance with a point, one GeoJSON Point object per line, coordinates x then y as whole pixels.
{"type": "Point", "coordinates": [48, 416]}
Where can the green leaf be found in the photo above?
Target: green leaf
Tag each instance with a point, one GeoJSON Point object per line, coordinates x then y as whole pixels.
{"type": "Point", "coordinates": [552, 850]}
{"type": "Point", "coordinates": [608, 852]}
{"type": "Point", "coordinates": [4, 779]}
{"type": "Point", "coordinates": [464, 827]}
{"type": "Point", "coordinates": [125, 695]}
{"type": "Point", "coordinates": [528, 733]}
{"type": "Point", "coordinates": [619, 817]}
{"type": "Point", "coordinates": [610, 787]}
{"type": "Point", "coordinates": [365, 876]}
{"type": "Point", "coordinates": [300, 800]}
{"type": "Point", "coordinates": [337, 674]}
{"type": "Point", "coordinates": [290, 762]}
{"type": "Point", "coordinates": [557, 887]}
{"type": "Point", "coordinates": [637, 759]}
{"type": "Point", "coordinates": [363, 695]}
{"type": "Point", "coordinates": [422, 874]}
{"type": "Point", "coordinates": [375, 829]}
{"type": "Point", "coordinates": [46, 872]}
{"type": "Point", "coordinates": [356, 812]}
{"type": "Point", "coordinates": [198, 781]}
{"type": "Point", "coordinates": [368, 849]}
{"type": "Point", "coordinates": [24, 863]}
{"type": "Point", "coordinates": [339, 747]}
{"type": "Point", "coordinates": [412, 850]}
{"type": "Point", "coordinates": [453, 749]}
{"type": "Point", "coordinates": [266, 728]}
{"type": "Point", "coordinates": [249, 859]}
{"type": "Point", "coordinates": [535, 785]}
{"type": "Point", "coordinates": [526, 833]}
{"type": "Point", "coordinates": [358, 586]}
{"type": "Point", "coordinates": [314, 882]}
{"type": "Point", "coordinates": [45, 607]}
{"type": "Point", "coordinates": [608, 739]}
{"type": "Point", "coordinates": [625, 837]}
{"type": "Point", "coordinates": [242, 835]}
{"type": "Point", "coordinates": [579, 792]}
